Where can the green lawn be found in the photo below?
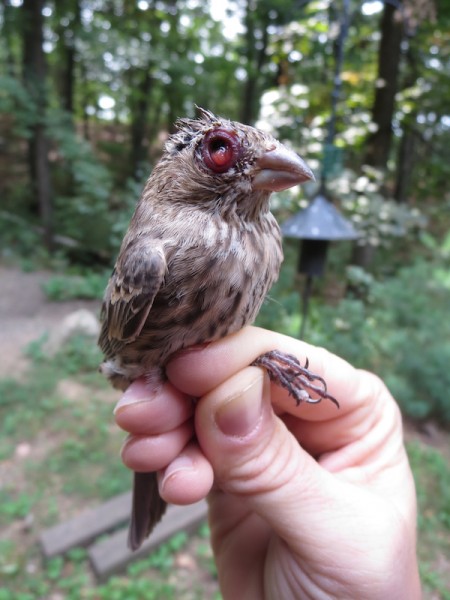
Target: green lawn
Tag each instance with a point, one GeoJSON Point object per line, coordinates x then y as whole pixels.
{"type": "Point", "coordinates": [59, 453]}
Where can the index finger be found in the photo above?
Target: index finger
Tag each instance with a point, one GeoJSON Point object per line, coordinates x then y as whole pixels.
{"type": "Point", "coordinates": [197, 371]}
{"type": "Point", "coordinates": [365, 403]}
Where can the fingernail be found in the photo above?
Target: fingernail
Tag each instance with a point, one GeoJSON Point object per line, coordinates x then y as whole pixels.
{"type": "Point", "coordinates": [182, 463]}
{"type": "Point", "coordinates": [241, 413]}
{"type": "Point", "coordinates": [138, 392]}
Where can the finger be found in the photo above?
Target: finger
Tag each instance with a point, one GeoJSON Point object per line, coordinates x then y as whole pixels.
{"type": "Point", "coordinates": [260, 463]}
{"type": "Point", "coordinates": [360, 430]}
{"type": "Point", "coordinates": [188, 478]}
{"type": "Point", "coordinates": [199, 370]}
{"type": "Point", "coordinates": [144, 410]}
{"type": "Point", "coordinates": [152, 453]}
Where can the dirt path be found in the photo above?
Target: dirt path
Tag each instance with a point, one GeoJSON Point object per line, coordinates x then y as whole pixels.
{"type": "Point", "coordinates": [26, 314]}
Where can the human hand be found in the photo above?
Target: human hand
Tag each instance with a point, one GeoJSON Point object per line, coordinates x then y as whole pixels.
{"type": "Point", "coordinates": [305, 502]}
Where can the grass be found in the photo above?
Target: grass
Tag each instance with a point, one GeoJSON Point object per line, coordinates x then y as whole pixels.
{"type": "Point", "coordinates": [59, 453]}
{"type": "Point", "coordinates": [432, 476]}
{"type": "Point", "coordinates": [86, 286]}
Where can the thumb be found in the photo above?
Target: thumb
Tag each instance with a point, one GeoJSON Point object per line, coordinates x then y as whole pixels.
{"type": "Point", "coordinates": [257, 460]}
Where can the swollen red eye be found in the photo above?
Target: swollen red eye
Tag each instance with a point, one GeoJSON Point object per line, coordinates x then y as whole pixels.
{"type": "Point", "coordinates": [220, 150]}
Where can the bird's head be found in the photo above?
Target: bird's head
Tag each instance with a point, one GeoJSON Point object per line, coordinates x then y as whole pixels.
{"type": "Point", "coordinates": [214, 162]}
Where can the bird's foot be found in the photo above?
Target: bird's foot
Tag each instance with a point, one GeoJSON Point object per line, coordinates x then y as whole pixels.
{"type": "Point", "coordinates": [286, 370]}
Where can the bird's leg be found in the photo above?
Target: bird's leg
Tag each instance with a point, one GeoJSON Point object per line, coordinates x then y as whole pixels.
{"type": "Point", "coordinates": [286, 370]}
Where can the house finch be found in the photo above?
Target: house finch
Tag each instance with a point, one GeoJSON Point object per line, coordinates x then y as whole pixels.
{"type": "Point", "coordinates": [200, 254]}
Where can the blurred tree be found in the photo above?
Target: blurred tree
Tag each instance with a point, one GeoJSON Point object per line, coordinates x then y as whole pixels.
{"type": "Point", "coordinates": [8, 13]}
{"type": "Point", "coordinates": [34, 76]}
{"type": "Point", "coordinates": [386, 84]}
{"type": "Point", "coordinates": [141, 28]}
{"type": "Point", "coordinates": [124, 70]}
{"type": "Point", "coordinates": [255, 52]}
{"type": "Point", "coordinates": [262, 19]}
{"type": "Point", "coordinates": [422, 111]}
{"type": "Point", "coordinates": [67, 19]}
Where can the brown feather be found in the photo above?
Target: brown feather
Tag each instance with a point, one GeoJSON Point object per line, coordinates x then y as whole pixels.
{"type": "Point", "coordinates": [200, 254]}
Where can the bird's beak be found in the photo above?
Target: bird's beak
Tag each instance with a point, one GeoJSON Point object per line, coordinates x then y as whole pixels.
{"type": "Point", "coordinates": [279, 169]}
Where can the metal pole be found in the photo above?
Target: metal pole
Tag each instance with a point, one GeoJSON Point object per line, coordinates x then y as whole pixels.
{"type": "Point", "coordinates": [305, 304]}
{"type": "Point", "coordinates": [337, 80]}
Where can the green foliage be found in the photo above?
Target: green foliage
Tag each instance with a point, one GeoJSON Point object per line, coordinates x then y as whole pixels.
{"type": "Point", "coordinates": [433, 580]}
{"type": "Point", "coordinates": [14, 505]}
{"type": "Point", "coordinates": [153, 62]}
{"type": "Point", "coordinates": [89, 286]}
{"type": "Point", "coordinates": [19, 237]}
{"type": "Point", "coordinates": [83, 188]}
{"type": "Point", "coordinates": [432, 477]}
{"type": "Point", "coordinates": [120, 588]}
{"type": "Point", "coordinates": [79, 354]}
{"type": "Point", "coordinates": [68, 576]}
{"type": "Point", "coordinates": [162, 558]}
{"type": "Point", "coordinates": [401, 331]}
{"type": "Point", "coordinates": [25, 405]}
{"type": "Point", "coordinates": [280, 311]}
{"type": "Point", "coordinates": [377, 218]}
{"type": "Point", "coordinates": [204, 550]}
{"type": "Point", "coordinates": [16, 101]}
{"type": "Point", "coordinates": [74, 458]}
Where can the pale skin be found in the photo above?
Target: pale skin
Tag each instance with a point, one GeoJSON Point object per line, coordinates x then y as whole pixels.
{"type": "Point", "coordinates": [307, 502]}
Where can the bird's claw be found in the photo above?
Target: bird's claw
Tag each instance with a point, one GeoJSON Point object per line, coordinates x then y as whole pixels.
{"type": "Point", "coordinates": [286, 370]}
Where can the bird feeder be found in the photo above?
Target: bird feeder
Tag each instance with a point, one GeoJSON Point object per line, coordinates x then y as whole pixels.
{"type": "Point", "coordinates": [316, 226]}
{"type": "Point", "coordinates": [320, 222]}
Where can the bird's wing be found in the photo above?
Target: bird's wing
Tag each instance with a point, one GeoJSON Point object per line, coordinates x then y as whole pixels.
{"type": "Point", "coordinates": [135, 281]}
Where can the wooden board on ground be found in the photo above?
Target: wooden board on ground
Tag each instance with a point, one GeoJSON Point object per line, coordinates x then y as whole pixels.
{"type": "Point", "coordinates": [84, 528]}
{"type": "Point", "coordinates": [112, 554]}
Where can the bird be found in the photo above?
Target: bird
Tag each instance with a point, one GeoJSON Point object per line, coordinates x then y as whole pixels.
{"type": "Point", "coordinates": [199, 256]}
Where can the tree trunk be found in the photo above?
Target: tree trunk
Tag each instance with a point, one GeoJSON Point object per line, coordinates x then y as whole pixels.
{"type": "Point", "coordinates": [256, 57]}
{"type": "Point", "coordinates": [68, 10]}
{"type": "Point", "coordinates": [139, 103]}
{"type": "Point", "coordinates": [85, 100]}
{"type": "Point", "coordinates": [407, 152]}
{"type": "Point", "coordinates": [389, 54]}
{"type": "Point", "coordinates": [8, 34]}
{"type": "Point", "coordinates": [379, 143]}
{"type": "Point", "coordinates": [34, 73]}
{"type": "Point", "coordinates": [405, 165]}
